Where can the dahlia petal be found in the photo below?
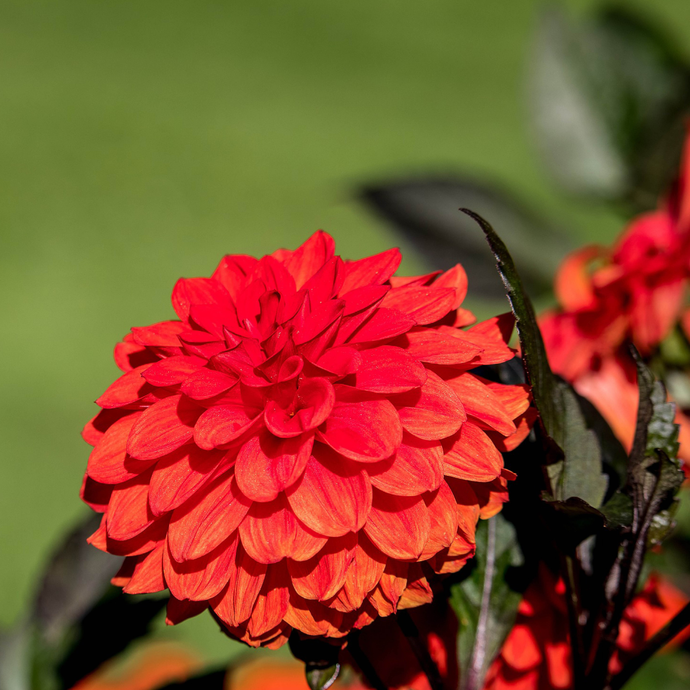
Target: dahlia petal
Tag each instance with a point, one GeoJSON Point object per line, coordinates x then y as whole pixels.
{"type": "Point", "coordinates": [209, 518]}
{"type": "Point", "coordinates": [275, 276]}
{"type": "Point", "coordinates": [467, 506]}
{"type": "Point", "coordinates": [128, 511]}
{"type": "Point", "coordinates": [515, 399]}
{"type": "Point", "coordinates": [147, 577]}
{"type": "Point", "coordinates": [471, 454]}
{"type": "Point", "coordinates": [323, 575]}
{"type": "Point", "coordinates": [437, 347]}
{"type": "Point", "coordinates": [108, 462]}
{"type": "Point", "coordinates": [204, 578]}
{"type": "Point", "coordinates": [366, 431]}
{"type": "Point", "coordinates": [189, 291]}
{"type": "Point", "coordinates": [383, 324]}
{"type": "Point", "coordinates": [417, 593]}
{"type": "Point", "coordinates": [309, 257]}
{"type": "Point", "coordinates": [371, 270]}
{"type": "Point", "coordinates": [126, 390]}
{"type": "Point", "coordinates": [312, 618]}
{"type": "Point", "coordinates": [454, 278]}
{"type": "Point", "coordinates": [340, 360]}
{"type": "Point", "coordinates": [480, 401]}
{"type": "Point", "coordinates": [443, 517]}
{"type": "Point", "coordinates": [398, 525]}
{"type": "Point", "coordinates": [493, 350]}
{"type": "Point", "coordinates": [394, 580]}
{"type": "Point", "coordinates": [524, 424]}
{"type": "Point", "coordinates": [271, 532]}
{"type": "Point", "coordinates": [498, 328]}
{"type": "Point", "coordinates": [314, 400]}
{"type": "Point", "coordinates": [215, 319]}
{"type": "Point", "coordinates": [363, 575]}
{"type": "Point", "coordinates": [143, 543]}
{"type": "Point", "coordinates": [333, 496]}
{"type": "Point", "coordinates": [235, 604]}
{"type": "Point", "coordinates": [325, 283]}
{"type": "Point", "coordinates": [423, 304]}
{"type": "Point", "coordinates": [308, 326]}
{"type": "Point", "coordinates": [402, 281]}
{"type": "Point", "coordinates": [272, 603]}
{"type": "Point", "coordinates": [431, 412]}
{"type": "Point", "coordinates": [206, 383]}
{"type": "Point", "coordinates": [178, 476]}
{"type": "Point", "coordinates": [162, 428]}
{"type": "Point", "coordinates": [95, 429]}
{"type": "Point", "coordinates": [221, 425]}
{"type": "Point", "coordinates": [416, 467]}
{"type": "Point", "coordinates": [179, 611]}
{"type": "Point", "coordinates": [232, 272]}
{"type": "Point", "coordinates": [363, 297]}
{"type": "Point", "coordinates": [128, 355]}
{"type": "Point", "coordinates": [172, 370]}
{"type": "Point", "coordinates": [267, 465]}
{"type": "Point", "coordinates": [389, 369]}
{"type": "Point", "coordinates": [463, 317]}
{"type": "Point", "coordinates": [163, 334]}
{"type": "Point", "coordinates": [95, 494]}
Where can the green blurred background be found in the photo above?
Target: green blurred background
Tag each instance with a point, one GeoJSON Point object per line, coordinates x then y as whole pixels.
{"type": "Point", "coordinates": [141, 141]}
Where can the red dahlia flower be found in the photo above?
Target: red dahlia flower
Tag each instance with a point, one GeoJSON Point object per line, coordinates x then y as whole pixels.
{"type": "Point", "coordinates": [634, 291]}
{"type": "Point", "coordinates": [305, 445]}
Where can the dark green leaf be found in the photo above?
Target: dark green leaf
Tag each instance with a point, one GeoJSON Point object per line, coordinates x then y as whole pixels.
{"type": "Point", "coordinates": [425, 212]}
{"type": "Point", "coordinates": [485, 603]}
{"type": "Point", "coordinates": [571, 521]}
{"type": "Point", "coordinates": [618, 511]}
{"type": "Point", "coordinates": [568, 437]}
{"type": "Point", "coordinates": [608, 99]}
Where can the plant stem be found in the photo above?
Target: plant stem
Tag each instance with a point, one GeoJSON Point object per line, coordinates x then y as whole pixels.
{"type": "Point", "coordinates": [409, 629]}
{"type": "Point", "coordinates": [573, 603]}
{"type": "Point", "coordinates": [674, 627]}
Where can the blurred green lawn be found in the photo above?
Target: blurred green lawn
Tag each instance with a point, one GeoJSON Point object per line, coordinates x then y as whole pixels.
{"type": "Point", "coordinates": [143, 140]}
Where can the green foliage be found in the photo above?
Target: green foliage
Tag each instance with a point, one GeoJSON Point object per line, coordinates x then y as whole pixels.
{"type": "Point", "coordinates": [484, 602]}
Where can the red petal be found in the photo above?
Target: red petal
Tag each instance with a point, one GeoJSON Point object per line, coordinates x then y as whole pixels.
{"type": "Point", "coordinates": [333, 496]}
{"type": "Point", "coordinates": [178, 476]}
{"type": "Point", "coordinates": [432, 412]}
{"type": "Point", "coordinates": [148, 573]}
{"type": "Point", "coordinates": [108, 462]}
{"type": "Point", "coordinates": [471, 454]}
{"type": "Point", "coordinates": [189, 291]}
{"type": "Point", "coordinates": [164, 334]}
{"type": "Point", "coordinates": [415, 468]}
{"type": "Point", "coordinates": [312, 618]}
{"type": "Point", "coordinates": [221, 425]}
{"type": "Point", "coordinates": [95, 495]}
{"type": "Point", "coordinates": [366, 431]}
{"type": "Point", "coordinates": [323, 575]}
{"type": "Point", "coordinates": [128, 511]}
{"type": "Point", "coordinates": [126, 390]}
{"type": "Point", "coordinates": [493, 350]}
{"type": "Point", "coordinates": [313, 403]}
{"type": "Point", "coordinates": [363, 575]}
{"type": "Point", "coordinates": [340, 360]}
{"type": "Point", "coordinates": [371, 270]}
{"type": "Point", "coordinates": [203, 578]}
{"type": "Point", "coordinates": [129, 355]}
{"type": "Point", "coordinates": [94, 430]}
{"type": "Point", "coordinates": [215, 319]}
{"type": "Point", "coordinates": [481, 402]}
{"type": "Point", "coordinates": [398, 525]}
{"type": "Point", "coordinates": [172, 370]}
{"type": "Point", "coordinates": [267, 465]}
{"type": "Point", "coordinates": [417, 592]}
{"type": "Point", "coordinates": [524, 425]}
{"type": "Point", "coordinates": [308, 258]}
{"type": "Point", "coordinates": [235, 604]}
{"type": "Point", "coordinates": [437, 347]}
{"type": "Point", "coordinates": [143, 543]}
{"type": "Point", "coordinates": [389, 369]}
{"type": "Point", "coordinates": [515, 399]}
{"type": "Point", "coordinates": [206, 383]}
{"type": "Point", "coordinates": [201, 524]}
{"type": "Point", "coordinates": [383, 324]}
{"type": "Point", "coordinates": [163, 428]}
{"type": "Point", "coordinates": [364, 297]}
{"type": "Point", "coordinates": [443, 515]}
{"type": "Point", "coordinates": [179, 611]}
{"type": "Point", "coordinates": [270, 532]}
{"type": "Point", "coordinates": [272, 603]}
{"type": "Point", "coordinates": [454, 278]}
{"type": "Point", "coordinates": [423, 304]}
{"type": "Point", "coordinates": [232, 272]}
